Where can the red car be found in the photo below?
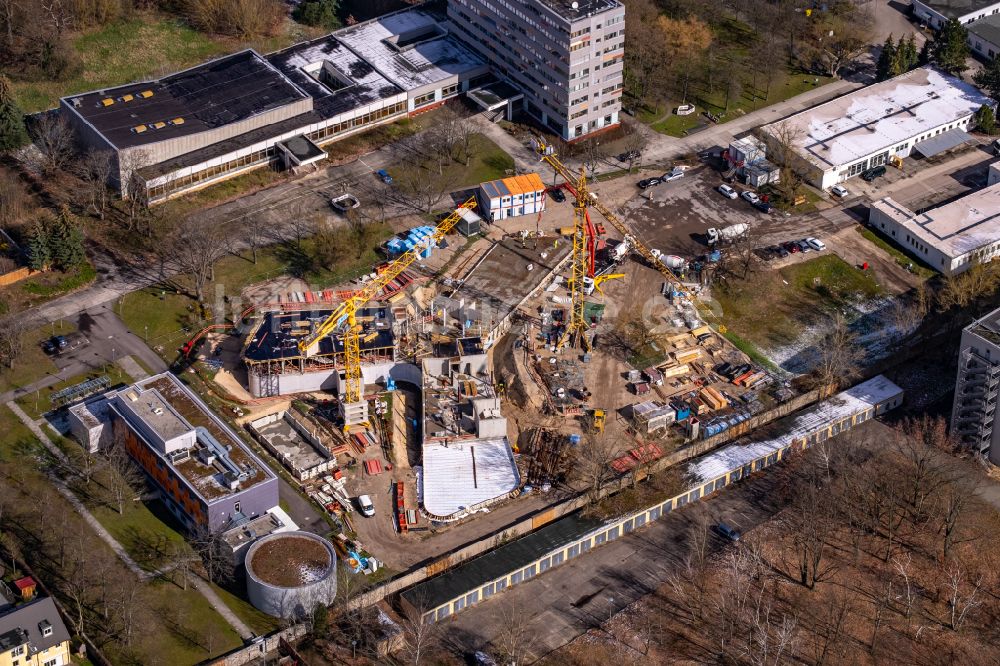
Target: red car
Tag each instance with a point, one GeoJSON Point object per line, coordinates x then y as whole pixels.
{"type": "Point", "coordinates": [791, 246]}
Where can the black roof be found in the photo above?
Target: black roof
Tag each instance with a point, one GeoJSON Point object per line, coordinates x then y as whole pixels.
{"type": "Point", "coordinates": [498, 562]}
{"type": "Point", "coordinates": [583, 7]}
{"type": "Point", "coordinates": [31, 619]}
{"type": "Point", "coordinates": [210, 95]}
{"type": "Point", "coordinates": [273, 339]}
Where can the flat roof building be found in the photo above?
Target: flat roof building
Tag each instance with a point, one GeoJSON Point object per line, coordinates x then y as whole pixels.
{"type": "Point", "coordinates": [243, 111]}
{"type": "Point", "coordinates": [973, 412]}
{"type": "Point", "coordinates": [950, 238]}
{"type": "Point", "coordinates": [984, 35]}
{"type": "Point", "coordinates": [861, 130]}
{"type": "Point", "coordinates": [565, 57]}
{"type": "Point", "coordinates": [206, 474]}
{"type": "Point", "coordinates": [936, 13]}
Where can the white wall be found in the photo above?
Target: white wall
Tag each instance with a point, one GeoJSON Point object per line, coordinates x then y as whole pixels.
{"type": "Point", "coordinates": [935, 19]}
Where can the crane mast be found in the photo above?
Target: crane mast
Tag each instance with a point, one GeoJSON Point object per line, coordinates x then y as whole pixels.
{"type": "Point", "coordinates": [585, 198]}
{"type": "Point", "coordinates": [354, 385]}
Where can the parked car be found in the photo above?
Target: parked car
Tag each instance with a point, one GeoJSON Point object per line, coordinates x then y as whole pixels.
{"type": "Point", "coordinates": [671, 176]}
{"type": "Point", "coordinates": [839, 191]}
{"type": "Point", "coordinates": [649, 182]}
{"type": "Point", "coordinates": [557, 195]}
{"type": "Point", "coordinates": [791, 246]}
{"type": "Point", "coordinates": [55, 344]}
{"type": "Point", "coordinates": [873, 173]}
{"type": "Point", "coordinates": [366, 505]}
{"type": "Point", "coordinates": [728, 191]}
{"type": "Point", "coordinates": [629, 155]}
{"type": "Point", "coordinates": [763, 206]}
{"type": "Point", "coordinates": [803, 246]}
{"type": "Point", "coordinates": [750, 196]}
{"type": "Point", "coordinates": [780, 251]}
{"type": "Point", "coordinates": [727, 532]}
{"type": "Point", "coordinates": [816, 244]}
{"type": "Point", "coordinates": [384, 176]}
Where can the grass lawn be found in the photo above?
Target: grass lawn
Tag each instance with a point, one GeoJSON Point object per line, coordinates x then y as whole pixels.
{"type": "Point", "coordinates": [138, 49]}
{"type": "Point", "coordinates": [489, 162]}
{"type": "Point", "coordinates": [787, 85]}
{"type": "Point", "coordinates": [15, 435]}
{"type": "Point", "coordinates": [772, 307]}
{"type": "Point", "coordinates": [33, 363]}
{"type": "Point", "coordinates": [146, 530]}
{"type": "Point", "coordinates": [39, 402]}
{"type": "Point", "coordinates": [185, 630]}
{"type": "Point", "coordinates": [900, 257]}
{"type": "Point", "coordinates": [260, 623]}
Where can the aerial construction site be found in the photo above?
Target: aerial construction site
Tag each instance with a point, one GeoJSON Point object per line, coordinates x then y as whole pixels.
{"type": "Point", "coordinates": [470, 375]}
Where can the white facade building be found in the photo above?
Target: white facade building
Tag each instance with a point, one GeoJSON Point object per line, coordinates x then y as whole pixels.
{"type": "Point", "coordinates": [984, 36]}
{"type": "Point", "coordinates": [951, 238]}
{"type": "Point", "coordinates": [936, 13]}
{"type": "Point", "coordinates": [512, 197]}
{"type": "Point", "coordinates": [864, 129]}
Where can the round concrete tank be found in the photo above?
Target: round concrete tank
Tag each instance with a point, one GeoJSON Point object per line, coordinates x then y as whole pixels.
{"type": "Point", "coordinates": [289, 573]}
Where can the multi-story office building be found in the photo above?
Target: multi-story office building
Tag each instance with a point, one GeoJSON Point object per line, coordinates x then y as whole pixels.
{"type": "Point", "coordinates": [206, 474]}
{"type": "Point", "coordinates": [564, 56]}
{"type": "Point", "coordinates": [973, 412]}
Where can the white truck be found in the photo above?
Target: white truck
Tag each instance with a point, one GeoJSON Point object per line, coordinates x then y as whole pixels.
{"type": "Point", "coordinates": [729, 233]}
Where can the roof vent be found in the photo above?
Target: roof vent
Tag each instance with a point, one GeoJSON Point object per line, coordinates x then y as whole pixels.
{"type": "Point", "coordinates": [77, 101]}
{"type": "Point", "coordinates": [177, 121]}
{"type": "Point", "coordinates": [132, 396]}
{"type": "Point", "coordinates": [126, 98]}
{"type": "Point", "coordinates": [107, 101]}
{"type": "Point", "coordinates": [139, 129]}
{"type": "Point", "coordinates": [158, 411]}
{"type": "Point", "coordinates": [575, 5]}
{"type": "Point", "coordinates": [146, 94]}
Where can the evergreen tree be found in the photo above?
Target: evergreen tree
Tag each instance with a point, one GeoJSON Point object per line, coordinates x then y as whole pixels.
{"type": "Point", "coordinates": [39, 256]}
{"type": "Point", "coordinates": [988, 78]}
{"type": "Point", "coordinates": [66, 241]}
{"type": "Point", "coordinates": [925, 56]}
{"type": "Point", "coordinates": [887, 61]}
{"type": "Point", "coordinates": [13, 134]}
{"type": "Point", "coordinates": [951, 47]}
{"type": "Point", "coordinates": [986, 119]}
{"type": "Point", "coordinates": [908, 53]}
{"type": "Point", "coordinates": [320, 13]}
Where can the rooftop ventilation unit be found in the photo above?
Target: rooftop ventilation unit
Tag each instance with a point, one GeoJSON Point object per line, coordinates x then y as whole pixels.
{"type": "Point", "coordinates": [139, 129]}
{"type": "Point", "coordinates": [146, 94]}
{"type": "Point", "coordinates": [107, 101]}
{"type": "Point", "coordinates": [177, 121]}
{"type": "Point", "coordinates": [126, 98]}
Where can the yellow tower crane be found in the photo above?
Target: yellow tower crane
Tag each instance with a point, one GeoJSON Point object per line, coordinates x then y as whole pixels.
{"type": "Point", "coordinates": [347, 311]}
{"type": "Point", "coordinates": [586, 199]}
{"type": "Point", "coordinates": [576, 327]}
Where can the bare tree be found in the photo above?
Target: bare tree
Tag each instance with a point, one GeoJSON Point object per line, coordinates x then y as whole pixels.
{"type": "Point", "coordinates": [782, 139]}
{"type": "Point", "coordinates": [12, 330]}
{"type": "Point", "coordinates": [14, 201]}
{"type": "Point", "coordinates": [963, 596]}
{"type": "Point", "coordinates": [216, 557]}
{"type": "Point", "coordinates": [123, 478]}
{"type": "Point", "coordinates": [840, 356]}
{"type": "Point", "coordinates": [419, 636]}
{"type": "Point", "coordinates": [594, 456]}
{"type": "Point", "coordinates": [95, 170]}
{"type": "Point", "coordinates": [252, 232]}
{"type": "Point", "coordinates": [516, 635]}
{"type": "Point", "coordinates": [194, 247]}
{"type": "Point", "coordinates": [53, 137]}
{"type": "Point", "coordinates": [635, 143]}
{"type": "Point", "coordinates": [133, 187]}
